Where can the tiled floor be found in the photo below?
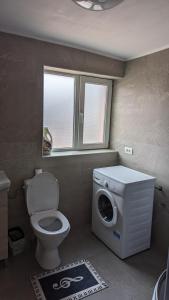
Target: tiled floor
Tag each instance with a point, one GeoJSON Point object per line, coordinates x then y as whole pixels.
{"type": "Point", "coordinates": [132, 279]}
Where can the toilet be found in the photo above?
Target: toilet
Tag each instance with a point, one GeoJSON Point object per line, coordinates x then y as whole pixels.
{"type": "Point", "coordinates": [49, 225]}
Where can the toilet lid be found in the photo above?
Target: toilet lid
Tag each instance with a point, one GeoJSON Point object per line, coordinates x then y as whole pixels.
{"type": "Point", "coordinates": [42, 193]}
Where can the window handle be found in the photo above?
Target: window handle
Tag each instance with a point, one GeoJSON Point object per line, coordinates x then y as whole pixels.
{"type": "Point", "coordinates": [81, 117]}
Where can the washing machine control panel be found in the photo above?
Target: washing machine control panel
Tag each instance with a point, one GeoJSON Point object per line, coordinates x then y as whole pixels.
{"type": "Point", "coordinates": [108, 183]}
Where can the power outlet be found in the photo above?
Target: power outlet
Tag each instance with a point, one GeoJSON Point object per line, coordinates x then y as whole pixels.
{"type": "Point", "coordinates": [128, 150]}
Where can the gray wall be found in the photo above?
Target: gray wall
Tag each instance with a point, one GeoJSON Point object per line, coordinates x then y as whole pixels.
{"type": "Point", "coordinates": [141, 119]}
{"type": "Point", "coordinates": [21, 100]}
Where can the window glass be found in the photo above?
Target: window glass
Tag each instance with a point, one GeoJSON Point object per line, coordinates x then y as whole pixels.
{"type": "Point", "coordinates": [94, 113]}
{"type": "Point", "coordinates": [59, 108]}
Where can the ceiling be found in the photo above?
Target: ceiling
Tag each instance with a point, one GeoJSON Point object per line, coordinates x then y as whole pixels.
{"type": "Point", "coordinates": [132, 29]}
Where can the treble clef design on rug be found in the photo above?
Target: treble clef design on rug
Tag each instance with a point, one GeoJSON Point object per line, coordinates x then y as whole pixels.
{"type": "Point", "coordinates": [65, 282]}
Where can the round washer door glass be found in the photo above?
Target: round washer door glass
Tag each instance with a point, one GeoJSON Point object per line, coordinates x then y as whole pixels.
{"type": "Point", "coordinates": [106, 208]}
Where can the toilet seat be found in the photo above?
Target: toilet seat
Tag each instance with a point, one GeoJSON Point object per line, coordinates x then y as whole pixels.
{"type": "Point", "coordinates": [42, 193]}
{"type": "Point", "coordinates": [36, 218]}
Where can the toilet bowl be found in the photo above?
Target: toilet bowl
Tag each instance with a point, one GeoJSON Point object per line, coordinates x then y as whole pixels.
{"type": "Point", "coordinates": [49, 225]}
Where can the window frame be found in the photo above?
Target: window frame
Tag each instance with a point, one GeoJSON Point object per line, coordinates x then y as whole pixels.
{"type": "Point", "coordinates": [78, 116]}
{"type": "Point", "coordinates": [108, 84]}
{"type": "Point", "coordinates": [46, 71]}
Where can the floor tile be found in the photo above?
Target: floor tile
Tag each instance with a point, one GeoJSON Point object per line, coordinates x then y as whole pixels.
{"type": "Point", "coordinates": [131, 279]}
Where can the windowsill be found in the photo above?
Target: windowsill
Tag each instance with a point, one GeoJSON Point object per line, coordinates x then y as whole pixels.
{"type": "Point", "coordinates": [80, 152]}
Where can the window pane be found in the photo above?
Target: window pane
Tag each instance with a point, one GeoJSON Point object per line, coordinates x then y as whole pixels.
{"type": "Point", "coordinates": [59, 109]}
{"type": "Point", "coordinates": [94, 113]}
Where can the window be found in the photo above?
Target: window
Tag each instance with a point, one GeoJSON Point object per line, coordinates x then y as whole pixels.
{"type": "Point", "coordinates": [59, 109]}
{"type": "Point", "coordinates": [77, 110]}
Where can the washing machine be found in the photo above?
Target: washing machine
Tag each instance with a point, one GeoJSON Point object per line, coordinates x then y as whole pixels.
{"type": "Point", "coordinates": [122, 209]}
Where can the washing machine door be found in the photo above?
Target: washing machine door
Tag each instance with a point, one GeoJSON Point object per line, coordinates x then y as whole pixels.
{"type": "Point", "coordinates": [106, 207]}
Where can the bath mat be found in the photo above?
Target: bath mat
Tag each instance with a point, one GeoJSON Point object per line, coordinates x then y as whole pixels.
{"type": "Point", "coordinates": [71, 282]}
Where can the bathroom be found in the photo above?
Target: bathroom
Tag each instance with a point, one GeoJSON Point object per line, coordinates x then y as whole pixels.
{"type": "Point", "coordinates": [139, 71]}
